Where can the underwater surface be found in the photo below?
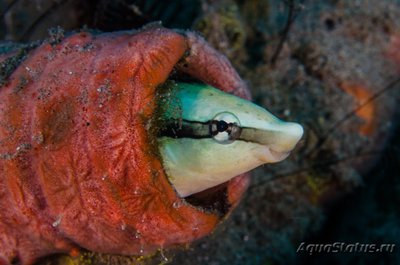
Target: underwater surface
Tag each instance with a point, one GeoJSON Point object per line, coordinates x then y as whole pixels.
{"type": "Point", "coordinates": [332, 66]}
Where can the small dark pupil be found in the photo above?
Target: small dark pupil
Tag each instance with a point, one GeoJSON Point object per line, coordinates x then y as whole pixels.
{"type": "Point", "coordinates": [222, 126]}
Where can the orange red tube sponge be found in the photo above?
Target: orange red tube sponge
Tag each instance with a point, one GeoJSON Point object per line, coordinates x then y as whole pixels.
{"type": "Point", "coordinates": [78, 167]}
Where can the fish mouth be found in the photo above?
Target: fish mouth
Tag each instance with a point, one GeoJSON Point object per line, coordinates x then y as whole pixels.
{"type": "Point", "coordinates": [215, 199]}
{"type": "Point", "coordinates": [271, 156]}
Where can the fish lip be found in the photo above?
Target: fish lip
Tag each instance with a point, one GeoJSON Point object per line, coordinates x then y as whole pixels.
{"type": "Point", "coordinates": [279, 156]}
{"type": "Point", "coordinates": [269, 155]}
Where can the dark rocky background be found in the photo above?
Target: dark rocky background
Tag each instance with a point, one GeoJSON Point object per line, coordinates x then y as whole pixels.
{"type": "Point", "coordinates": [333, 66]}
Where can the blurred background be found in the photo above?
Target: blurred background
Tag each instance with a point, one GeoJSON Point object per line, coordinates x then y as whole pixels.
{"type": "Point", "coordinates": [333, 66]}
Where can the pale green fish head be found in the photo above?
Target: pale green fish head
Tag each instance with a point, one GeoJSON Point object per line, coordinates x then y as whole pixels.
{"type": "Point", "coordinates": [211, 136]}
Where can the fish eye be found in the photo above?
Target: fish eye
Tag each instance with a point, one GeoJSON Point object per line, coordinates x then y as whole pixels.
{"type": "Point", "coordinates": [225, 128]}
